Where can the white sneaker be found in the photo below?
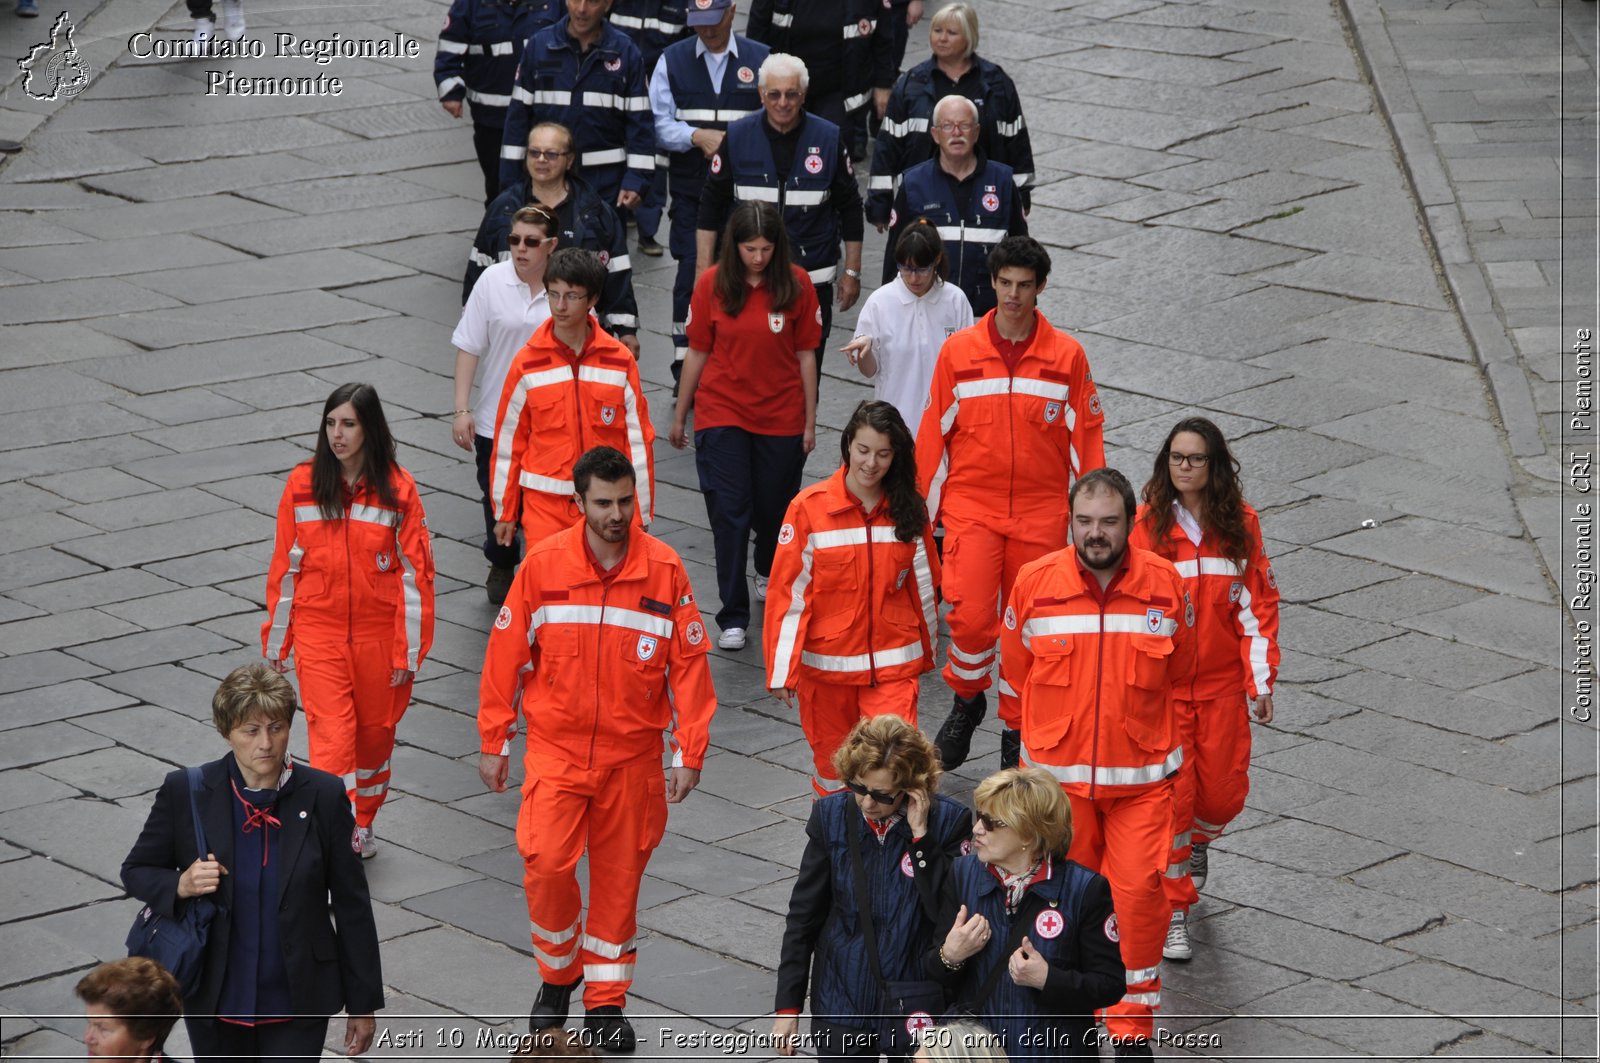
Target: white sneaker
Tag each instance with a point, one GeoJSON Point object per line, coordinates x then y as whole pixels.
{"type": "Point", "coordinates": [204, 30]}
{"type": "Point", "coordinates": [368, 841]}
{"type": "Point", "coordinates": [1199, 865]}
{"type": "Point", "coordinates": [761, 588]}
{"type": "Point", "coordinates": [233, 19]}
{"type": "Point", "coordinates": [732, 638]}
{"type": "Point", "coordinates": [1177, 946]}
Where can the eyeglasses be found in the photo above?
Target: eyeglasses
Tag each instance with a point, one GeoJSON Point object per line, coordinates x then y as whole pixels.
{"type": "Point", "coordinates": [525, 241]}
{"type": "Point", "coordinates": [877, 795]}
{"type": "Point", "coordinates": [917, 272]}
{"type": "Point", "coordinates": [788, 94]}
{"type": "Point", "coordinates": [1193, 461]}
{"type": "Point", "coordinates": [563, 298]}
{"type": "Point", "coordinates": [546, 156]}
{"type": "Point", "coordinates": [990, 824]}
{"type": "Point", "coordinates": [956, 127]}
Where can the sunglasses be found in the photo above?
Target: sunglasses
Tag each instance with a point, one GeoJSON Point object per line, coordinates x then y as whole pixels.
{"type": "Point", "coordinates": [877, 795]}
{"type": "Point", "coordinates": [546, 156]}
{"type": "Point", "coordinates": [989, 822]}
{"type": "Point", "coordinates": [529, 242]}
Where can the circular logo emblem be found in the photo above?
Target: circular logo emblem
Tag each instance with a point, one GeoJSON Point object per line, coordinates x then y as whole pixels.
{"type": "Point", "coordinates": [991, 202]}
{"type": "Point", "coordinates": [894, 216]}
{"type": "Point", "coordinates": [695, 633]}
{"type": "Point", "coordinates": [865, 26]}
{"type": "Point", "coordinates": [966, 846]}
{"type": "Point", "coordinates": [703, 5]}
{"type": "Point", "coordinates": [905, 865]}
{"type": "Point", "coordinates": [355, 841]}
{"type": "Point", "coordinates": [614, 65]}
{"type": "Point", "coordinates": [716, 163]}
{"type": "Point", "coordinates": [1094, 404]}
{"type": "Point", "coordinates": [1112, 933]}
{"type": "Point", "coordinates": [1011, 618]}
{"type": "Point", "coordinates": [746, 75]}
{"type": "Point", "coordinates": [605, 258]}
{"type": "Point", "coordinates": [786, 535]}
{"type": "Point", "coordinates": [1049, 924]}
{"type": "Point", "coordinates": [813, 164]}
{"type": "Point", "coordinates": [502, 619]}
{"type": "Point", "coordinates": [918, 1021]}
{"type": "Point", "coordinates": [819, 315]}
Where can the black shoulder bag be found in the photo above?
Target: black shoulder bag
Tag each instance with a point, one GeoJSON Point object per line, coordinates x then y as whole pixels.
{"type": "Point", "coordinates": [905, 1008]}
{"type": "Point", "coordinates": [178, 944]}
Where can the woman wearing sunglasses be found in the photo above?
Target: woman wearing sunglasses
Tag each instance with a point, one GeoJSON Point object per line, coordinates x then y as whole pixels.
{"type": "Point", "coordinates": [1032, 950]}
{"type": "Point", "coordinates": [907, 320]}
{"type": "Point", "coordinates": [889, 837]}
{"type": "Point", "coordinates": [1195, 516]}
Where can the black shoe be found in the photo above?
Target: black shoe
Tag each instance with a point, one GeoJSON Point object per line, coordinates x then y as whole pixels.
{"type": "Point", "coordinates": [1010, 748]}
{"type": "Point", "coordinates": [1139, 1049]}
{"type": "Point", "coordinates": [550, 1006]}
{"type": "Point", "coordinates": [955, 737]}
{"type": "Point", "coordinates": [648, 246]}
{"type": "Point", "coordinates": [498, 585]}
{"type": "Point", "coordinates": [608, 1029]}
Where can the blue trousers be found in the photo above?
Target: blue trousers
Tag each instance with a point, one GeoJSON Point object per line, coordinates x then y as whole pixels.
{"type": "Point", "coordinates": [748, 481]}
{"type": "Point", "coordinates": [685, 212]}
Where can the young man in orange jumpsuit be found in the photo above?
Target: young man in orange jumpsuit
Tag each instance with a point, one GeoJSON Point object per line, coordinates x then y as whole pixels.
{"type": "Point", "coordinates": [601, 643]}
{"type": "Point", "coordinates": [1236, 657]}
{"type": "Point", "coordinates": [571, 388]}
{"type": "Point", "coordinates": [1012, 420]}
{"type": "Point", "coordinates": [852, 611]}
{"type": "Point", "coordinates": [1094, 637]}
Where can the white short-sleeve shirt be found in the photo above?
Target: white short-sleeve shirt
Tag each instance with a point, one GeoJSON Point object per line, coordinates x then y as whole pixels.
{"type": "Point", "coordinates": [498, 319]}
{"type": "Point", "coordinates": [907, 333]}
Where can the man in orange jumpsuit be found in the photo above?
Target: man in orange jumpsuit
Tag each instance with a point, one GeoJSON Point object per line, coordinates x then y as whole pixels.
{"type": "Point", "coordinates": [1012, 420]}
{"type": "Point", "coordinates": [601, 642]}
{"type": "Point", "coordinates": [1094, 638]}
{"type": "Point", "coordinates": [571, 388]}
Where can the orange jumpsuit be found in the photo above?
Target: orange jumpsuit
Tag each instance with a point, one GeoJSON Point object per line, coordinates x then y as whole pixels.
{"type": "Point", "coordinates": [555, 406]}
{"type": "Point", "coordinates": [1236, 658]}
{"type": "Point", "coordinates": [997, 450]}
{"type": "Point", "coordinates": [353, 598]}
{"type": "Point", "coordinates": [852, 617]}
{"type": "Point", "coordinates": [601, 666]}
{"type": "Point", "coordinates": [1088, 678]}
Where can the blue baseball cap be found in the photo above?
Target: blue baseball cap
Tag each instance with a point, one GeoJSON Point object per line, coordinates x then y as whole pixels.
{"type": "Point", "coordinates": [707, 12]}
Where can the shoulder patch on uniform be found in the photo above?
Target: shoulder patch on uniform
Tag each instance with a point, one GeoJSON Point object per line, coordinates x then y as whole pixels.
{"type": "Point", "coordinates": [695, 633]}
{"type": "Point", "coordinates": [653, 606]}
{"type": "Point", "coordinates": [1112, 933]}
{"type": "Point", "coordinates": [1011, 618]}
{"type": "Point", "coordinates": [502, 619]}
{"type": "Point", "coordinates": [786, 535]}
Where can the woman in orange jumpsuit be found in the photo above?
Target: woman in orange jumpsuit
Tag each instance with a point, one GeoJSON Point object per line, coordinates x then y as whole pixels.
{"type": "Point", "coordinates": [1195, 516]}
{"type": "Point", "coordinates": [350, 592]}
{"type": "Point", "coordinates": [852, 616]}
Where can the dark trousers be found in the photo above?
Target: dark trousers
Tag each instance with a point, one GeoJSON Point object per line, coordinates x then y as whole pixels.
{"type": "Point", "coordinates": [497, 555]}
{"type": "Point", "coordinates": [486, 142]}
{"type": "Point", "coordinates": [684, 214]}
{"type": "Point", "coordinates": [200, 9]}
{"type": "Point", "coordinates": [845, 1042]}
{"type": "Point", "coordinates": [226, 1042]}
{"type": "Point", "coordinates": [825, 301]}
{"type": "Point", "coordinates": [748, 481]}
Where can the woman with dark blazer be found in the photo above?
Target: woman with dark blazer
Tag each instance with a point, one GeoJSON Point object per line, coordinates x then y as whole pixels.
{"type": "Point", "coordinates": [280, 857]}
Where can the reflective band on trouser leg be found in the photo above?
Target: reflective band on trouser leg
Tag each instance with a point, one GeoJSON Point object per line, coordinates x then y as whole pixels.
{"type": "Point", "coordinates": [551, 827]}
{"type": "Point", "coordinates": [974, 566]}
{"type": "Point", "coordinates": [327, 695]}
{"type": "Point", "coordinates": [629, 815]}
{"type": "Point", "coordinates": [1222, 755]}
{"type": "Point", "coordinates": [1138, 836]}
{"type": "Point", "coordinates": [379, 707]}
{"type": "Point", "coordinates": [1176, 883]}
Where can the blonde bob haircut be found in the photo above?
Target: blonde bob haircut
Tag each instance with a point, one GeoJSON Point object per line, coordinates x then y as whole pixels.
{"type": "Point", "coordinates": [889, 742]}
{"type": "Point", "coordinates": [961, 1040]}
{"type": "Point", "coordinates": [1032, 803]}
{"type": "Point", "coordinates": [250, 691]}
{"type": "Point", "coordinates": [966, 20]}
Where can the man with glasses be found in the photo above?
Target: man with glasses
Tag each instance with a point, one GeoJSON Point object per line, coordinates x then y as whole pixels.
{"type": "Point", "coordinates": [1013, 419]}
{"type": "Point", "coordinates": [1093, 640]}
{"type": "Point", "coordinates": [586, 221]}
{"type": "Point", "coordinates": [571, 386]}
{"type": "Point", "coordinates": [972, 200]}
{"type": "Point", "coordinates": [800, 162]}
{"type": "Point", "coordinates": [697, 89]}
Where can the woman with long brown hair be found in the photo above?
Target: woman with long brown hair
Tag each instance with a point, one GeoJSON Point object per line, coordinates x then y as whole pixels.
{"type": "Point", "coordinates": [852, 613]}
{"type": "Point", "coordinates": [1194, 515]}
{"type": "Point", "coordinates": [750, 376]}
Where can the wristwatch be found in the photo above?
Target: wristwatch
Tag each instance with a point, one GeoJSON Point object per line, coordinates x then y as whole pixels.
{"type": "Point", "coordinates": [853, 273]}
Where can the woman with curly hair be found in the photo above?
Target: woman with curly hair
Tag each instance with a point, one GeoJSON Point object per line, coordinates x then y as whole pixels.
{"type": "Point", "coordinates": [851, 611]}
{"type": "Point", "coordinates": [890, 839]}
{"type": "Point", "coordinates": [1194, 515]}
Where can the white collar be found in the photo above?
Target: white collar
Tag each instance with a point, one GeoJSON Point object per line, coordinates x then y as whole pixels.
{"type": "Point", "coordinates": [1187, 521]}
{"type": "Point", "coordinates": [701, 51]}
{"type": "Point", "coordinates": [906, 296]}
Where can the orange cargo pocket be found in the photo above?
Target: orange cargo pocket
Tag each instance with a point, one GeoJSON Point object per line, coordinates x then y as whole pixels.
{"type": "Point", "coordinates": [1045, 716]}
{"type": "Point", "coordinates": [1147, 712]}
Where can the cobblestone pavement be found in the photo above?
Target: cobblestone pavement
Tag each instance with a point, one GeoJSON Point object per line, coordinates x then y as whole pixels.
{"type": "Point", "coordinates": [184, 278]}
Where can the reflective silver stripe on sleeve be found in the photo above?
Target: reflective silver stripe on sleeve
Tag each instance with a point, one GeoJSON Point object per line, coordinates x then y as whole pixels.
{"type": "Point", "coordinates": [603, 158]}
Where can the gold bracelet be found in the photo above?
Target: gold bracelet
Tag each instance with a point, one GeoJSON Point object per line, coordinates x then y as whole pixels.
{"type": "Point", "coordinates": [947, 963]}
{"type": "Point", "coordinates": [460, 412]}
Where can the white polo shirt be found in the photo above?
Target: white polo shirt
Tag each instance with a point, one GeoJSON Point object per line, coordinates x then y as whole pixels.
{"type": "Point", "coordinates": [497, 321]}
{"type": "Point", "coordinates": [907, 333]}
